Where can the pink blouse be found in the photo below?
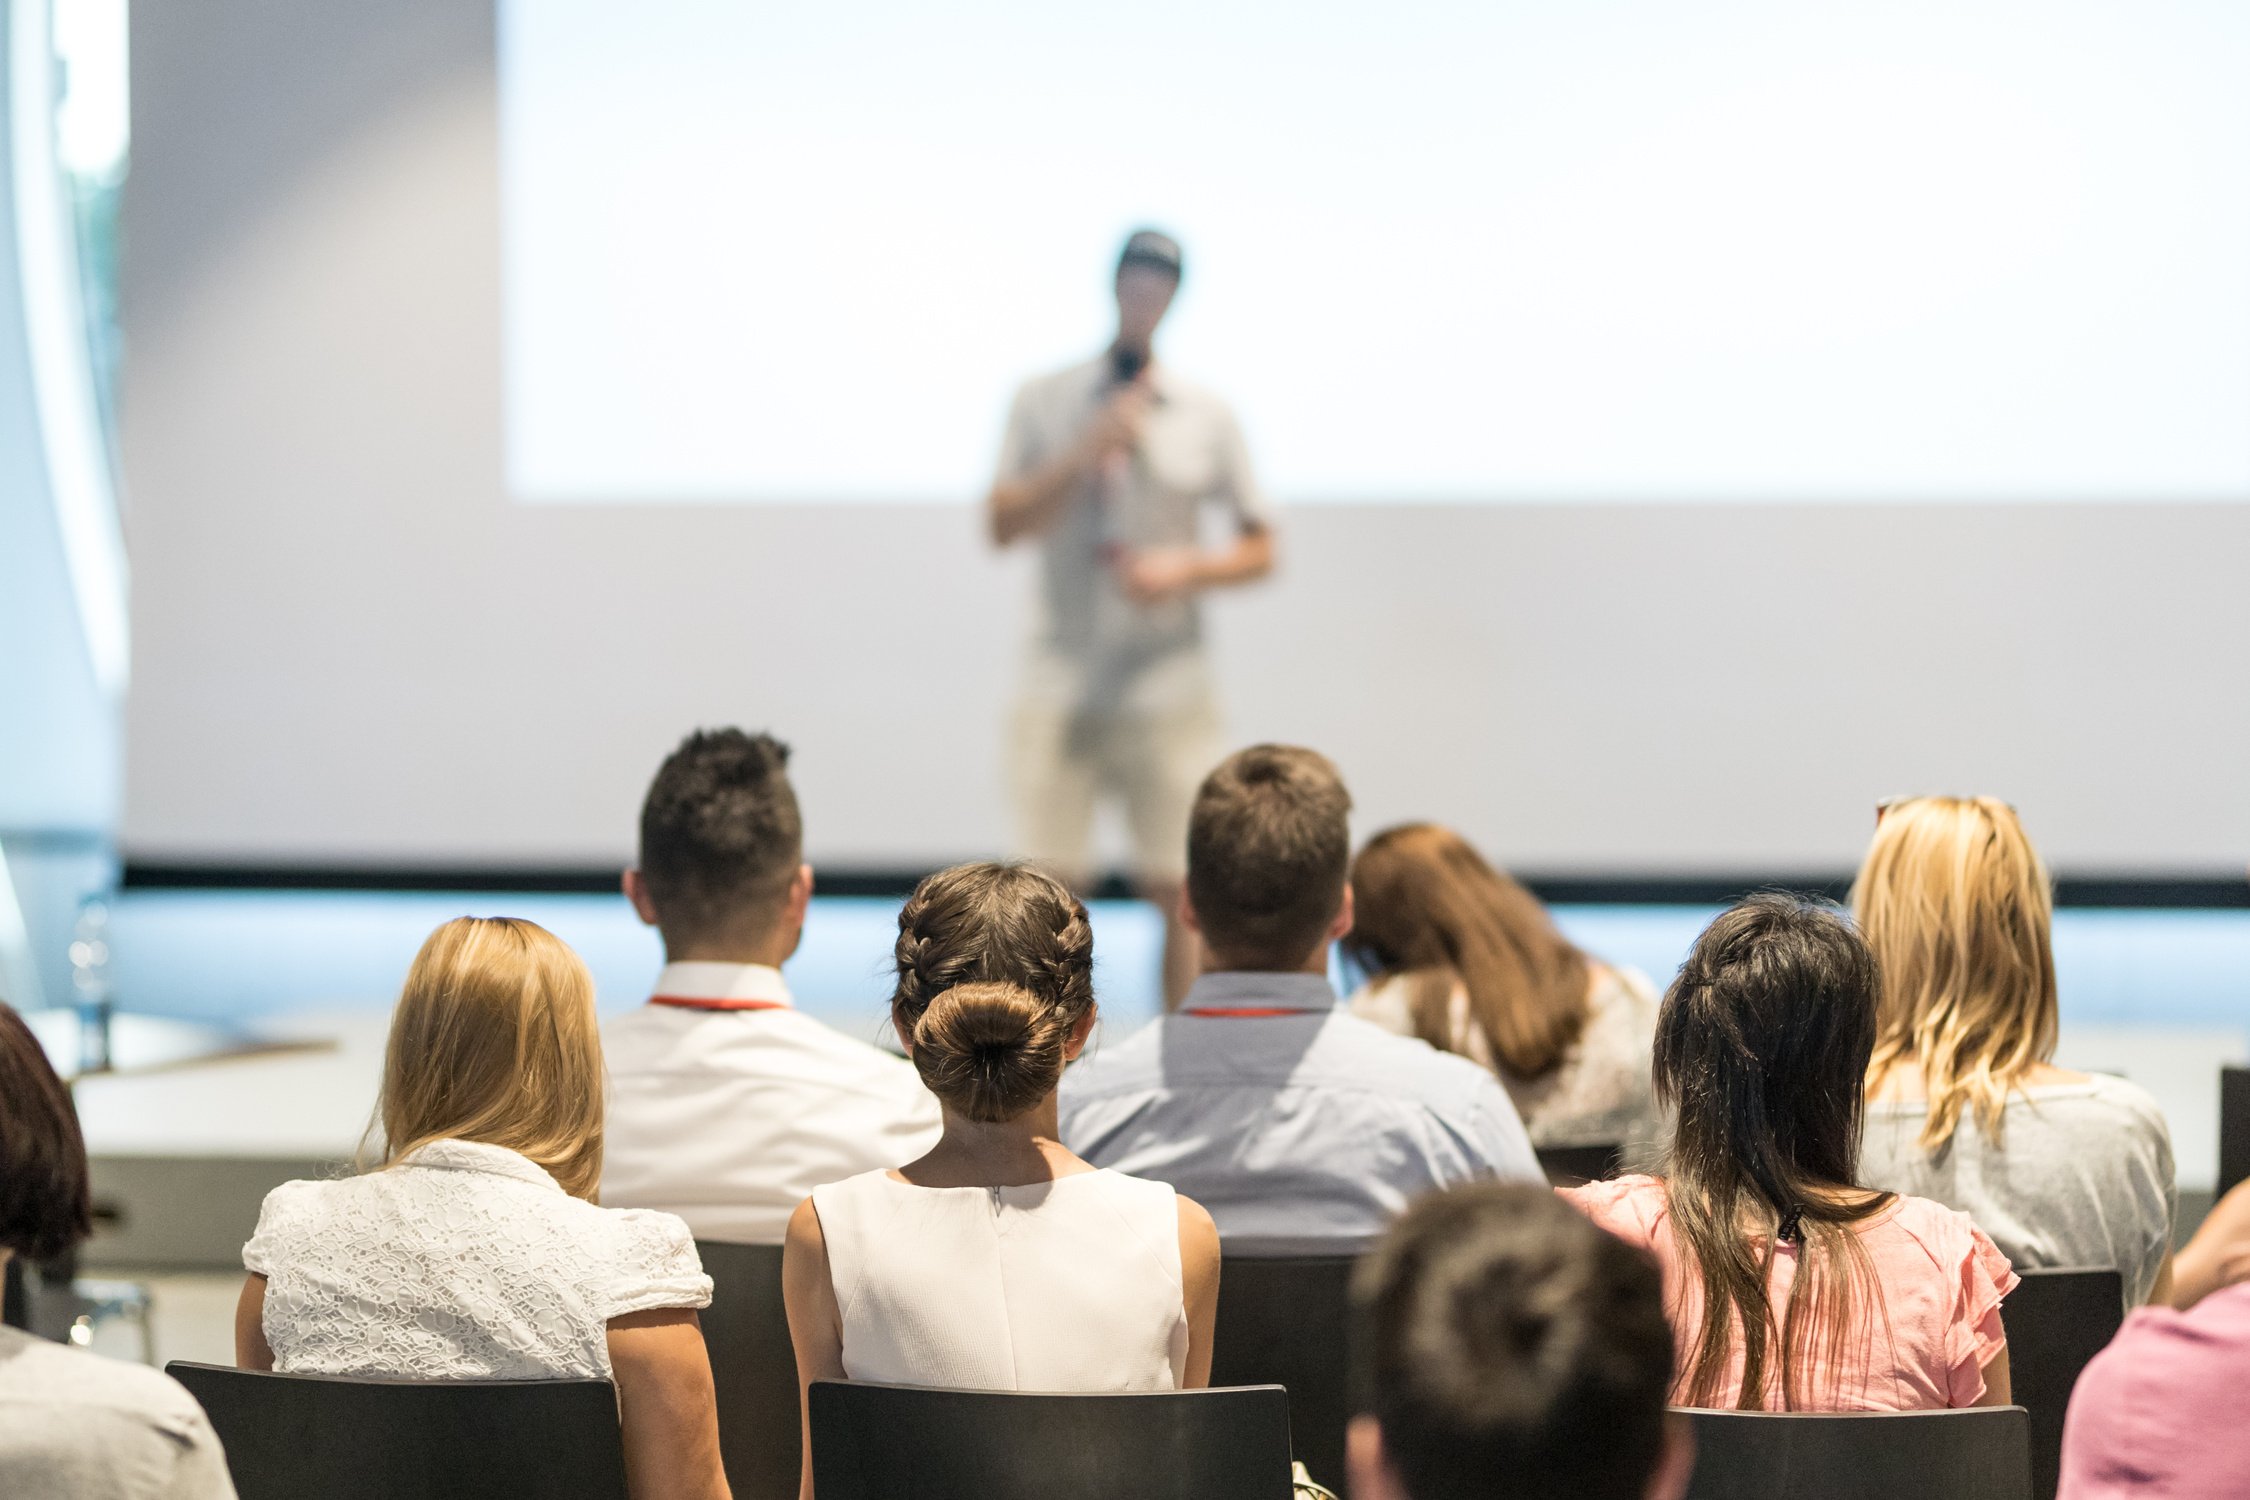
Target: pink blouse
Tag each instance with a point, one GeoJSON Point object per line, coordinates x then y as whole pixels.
{"type": "Point", "coordinates": [1928, 1342]}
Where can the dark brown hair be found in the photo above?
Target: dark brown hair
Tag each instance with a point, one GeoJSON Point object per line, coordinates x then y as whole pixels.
{"type": "Point", "coordinates": [1269, 844]}
{"type": "Point", "coordinates": [995, 969]}
{"type": "Point", "coordinates": [1427, 908]}
{"type": "Point", "coordinates": [1508, 1347]}
{"type": "Point", "coordinates": [44, 1207]}
{"type": "Point", "coordinates": [721, 837]}
{"type": "Point", "coordinates": [1761, 1052]}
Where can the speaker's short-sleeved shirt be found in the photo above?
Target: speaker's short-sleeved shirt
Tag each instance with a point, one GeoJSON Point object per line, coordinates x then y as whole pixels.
{"type": "Point", "coordinates": [1191, 455]}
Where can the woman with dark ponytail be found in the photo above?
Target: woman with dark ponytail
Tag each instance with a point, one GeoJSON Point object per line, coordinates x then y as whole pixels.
{"type": "Point", "coordinates": [999, 1261]}
{"type": "Point", "coordinates": [1790, 1286]}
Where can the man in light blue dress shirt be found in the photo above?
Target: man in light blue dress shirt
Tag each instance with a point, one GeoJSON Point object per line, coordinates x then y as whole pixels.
{"type": "Point", "coordinates": [1287, 1117]}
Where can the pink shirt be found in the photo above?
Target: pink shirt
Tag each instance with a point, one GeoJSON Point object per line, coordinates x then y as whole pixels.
{"type": "Point", "coordinates": [1926, 1347]}
{"type": "Point", "coordinates": [2158, 1414]}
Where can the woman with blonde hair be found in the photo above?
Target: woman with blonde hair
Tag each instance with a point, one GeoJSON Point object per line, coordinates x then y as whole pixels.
{"type": "Point", "coordinates": [999, 1260]}
{"type": "Point", "coordinates": [1965, 1104]}
{"type": "Point", "coordinates": [475, 1250]}
{"type": "Point", "coordinates": [1462, 956]}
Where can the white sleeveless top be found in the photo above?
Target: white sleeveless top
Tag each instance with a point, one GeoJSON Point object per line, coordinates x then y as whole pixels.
{"type": "Point", "coordinates": [1070, 1285]}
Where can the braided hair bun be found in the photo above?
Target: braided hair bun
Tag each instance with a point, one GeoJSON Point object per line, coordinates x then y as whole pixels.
{"type": "Point", "coordinates": [995, 972]}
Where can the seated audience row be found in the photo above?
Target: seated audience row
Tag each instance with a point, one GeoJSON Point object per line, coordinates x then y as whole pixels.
{"type": "Point", "coordinates": [1017, 1205]}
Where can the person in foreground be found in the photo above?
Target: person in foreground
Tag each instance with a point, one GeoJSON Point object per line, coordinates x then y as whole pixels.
{"type": "Point", "coordinates": [73, 1425]}
{"type": "Point", "coordinates": [1792, 1286]}
{"type": "Point", "coordinates": [2157, 1414]}
{"type": "Point", "coordinates": [999, 1261]}
{"type": "Point", "coordinates": [1508, 1347]}
{"type": "Point", "coordinates": [727, 1105]}
{"type": "Point", "coordinates": [1964, 1103]}
{"type": "Point", "coordinates": [475, 1251]}
{"type": "Point", "coordinates": [1462, 956]}
{"type": "Point", "coordinates": [1285, 1115]}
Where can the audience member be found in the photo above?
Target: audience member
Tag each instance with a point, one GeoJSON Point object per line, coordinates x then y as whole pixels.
{"type": "Point", "coordinates": [1964, 1104]}
{"type": "Point", "coordinates": [1791, 1285]}
{"type": "Point", "coordinates": [1462, 956]}
{"type": "Point", "coordinates": [2152, 1417]}
{"type": "Point", "coordinates": [73, 1425]}
{"type": "Point", "coordinates": [1508, 1347]}
{"type": "Point", "coordinates": [1284, 1114]}
{"type": "Point", "coordinates": [2218, 1255]}
{"type": "Point", "coordinates": [999, 1261]}
{"type": "Point", "coordinates": [726, 1104]}
{"type": "Point", "coordinates": [476, 1250]}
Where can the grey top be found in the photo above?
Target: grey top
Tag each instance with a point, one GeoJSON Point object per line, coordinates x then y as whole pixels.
{"type": "Point", "coordinates": [2081, 1175]}
{"type": "Point", "coordinates": [76, 1426]}
{"type": "Point", "coordinates": [1287, 1117]}
{"type": "Point", "coordinates": [1191, 454]}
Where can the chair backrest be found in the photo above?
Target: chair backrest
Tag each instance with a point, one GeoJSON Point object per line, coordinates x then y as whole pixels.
{"type": "Point", "coordinates": [1285, 1319]}
{"type": "Point", "coordinates": [1568, 1166]}
{"type": "Point", "coordinates": [341, 1438]}
{"type": "Point", "coordinates": [2057, 1320]}
{"type": "Point", "coordinates": [882, 1442]}
{"type": "Point", "coordinates": [2234, 1127]}
{"type": "Point", "coordinates": [753, 1370]}
{"type": "Point", "coordinates": [1979, 1453]}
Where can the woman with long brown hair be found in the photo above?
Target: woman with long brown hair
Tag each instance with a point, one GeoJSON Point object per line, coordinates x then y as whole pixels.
{"type": "Point", "coordinates": [1965, 1104]}
{"type": "Point", "coordinates": [1791, 1285]}
{"type": "Point", "coordinates": [1459, 954]}
{"type": "Point", "coordinates": [474, 1248]}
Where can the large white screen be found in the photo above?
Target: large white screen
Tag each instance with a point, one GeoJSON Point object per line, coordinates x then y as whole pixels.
{"type": "Point", "coordinates": [1438, 249]}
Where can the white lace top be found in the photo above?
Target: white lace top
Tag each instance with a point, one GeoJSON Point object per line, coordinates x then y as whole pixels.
{"type": "Point", "coordinates": [461, 1261]}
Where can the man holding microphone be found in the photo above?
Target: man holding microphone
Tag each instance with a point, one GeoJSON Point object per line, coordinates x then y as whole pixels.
{"type": "Point", "coordinates": [1108, 465]}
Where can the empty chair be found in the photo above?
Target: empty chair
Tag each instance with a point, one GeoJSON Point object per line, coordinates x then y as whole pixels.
{"type": "Point", "coordinates": [880, 1442]}
{"type": "Point", "coordinates": [753, 1370]}
{"type": "Point", "coordinates": [288, 1437]}
{"type": "Point", "coordinates": [2234, 1128]}
{"type": "Point", "coordinates": [1285, 1320]}
{"type": "Point", "coordinates": [2057, 1319]}
{"type": "Point", "coordinates": [1570, 1166]}
{"type": "Point", "coordinates": [1976, 1453]}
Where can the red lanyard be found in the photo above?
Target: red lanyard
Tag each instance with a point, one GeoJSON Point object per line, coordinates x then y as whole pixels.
{"type": "Point", "coordinates": [1247, 1012]}
{"type": "Point", "coordinates": [692, 1002]}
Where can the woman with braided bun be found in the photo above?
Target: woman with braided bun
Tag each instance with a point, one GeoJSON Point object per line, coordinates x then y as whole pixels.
{"type": "Point", "coordinates": [1790, 1285]}
{"type": "Point", "coordinates": [999, 1261]}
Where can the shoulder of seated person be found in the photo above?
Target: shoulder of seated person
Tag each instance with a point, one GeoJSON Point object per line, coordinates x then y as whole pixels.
{"type": "Point", "coordinates": [82, 1378]}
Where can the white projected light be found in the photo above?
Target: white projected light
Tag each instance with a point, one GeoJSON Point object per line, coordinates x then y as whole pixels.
{"type": "Point", "coordinates": [1437, 250]}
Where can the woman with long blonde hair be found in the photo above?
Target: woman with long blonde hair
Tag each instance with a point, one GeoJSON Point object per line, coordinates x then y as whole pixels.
{"type": "Point", "coordinates": [473, 1248]}
{"type": "Point", "coordinates": [1965, 1104]}
{"type": "Point", "coordinates": [1459, 954]}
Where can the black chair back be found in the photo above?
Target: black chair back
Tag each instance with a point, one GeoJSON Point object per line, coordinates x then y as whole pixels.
{"type": "Point", "coordinates": [1569, 1166]}
{"type": "Point", "coordinates": [753, 1370]}
{"type": "Point", "coordinates": [292, 1436]}
{"type": "Point", "coordinates": [889, 1442]}
{"type": "Point", "coordinates": [15, 1297]}
{"type": "Point", "coordinates": [1980, 1453]}
{"type": "Point", "coordinates": [1285, 1319]}
{"type": "Point", "coordinates": [2057, 1320]}
{"type": "Point", "coordinates": [2234, 1127]}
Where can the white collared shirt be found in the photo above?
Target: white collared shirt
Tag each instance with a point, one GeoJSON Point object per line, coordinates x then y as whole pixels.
{"type": "Point", "coordinates": [461, 1261]}
{"type": "Point", "coordinates": [1287, 1118]}
{"type": "Point", "coordinates": [730, 1109]}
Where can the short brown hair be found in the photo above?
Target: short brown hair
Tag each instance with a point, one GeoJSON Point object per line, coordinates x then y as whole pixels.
{"type": "Point", "coordinates": [995, 969]}
{"type": "Point", "coordinates": [1507, 1346]}
{"type": "Point", "coordinates": [721, 836]}
{"type": "Point", "coordinates": [44, 1208]}
{"type": "Point", "coordinates": [1269, 844]}
{"type": "Point", "coordinates": [494, 1040]}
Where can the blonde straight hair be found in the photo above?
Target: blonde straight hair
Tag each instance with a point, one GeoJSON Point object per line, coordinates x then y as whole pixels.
{"type": "Point", "coordinates": [1960, 911]}
{"type": "Point", "coordinates": [494, 1040]}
